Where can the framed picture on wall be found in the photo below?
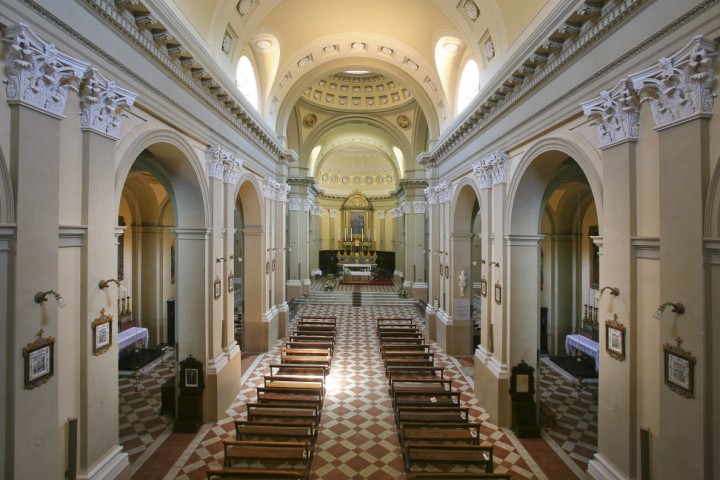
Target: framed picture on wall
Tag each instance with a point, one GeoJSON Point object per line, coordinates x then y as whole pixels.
{"type": "Point", "coordinates": [615, 339]}
{"type": "Point", "coordinates": [217, 288]}
{"type": "Point", "coordinates": [231, 282]}
{"type": "Point", "coordinates": [191, 377]}
{"type": "Point", "coordinates": [447, 271]}
{"type": "Point", "coordinates": [498, 293]}
{"type": "Point", "coordinates": [679, 370]}
{"type": "Point", "coordinates": [102, 333]}
{"type": "Point", "coordinates": [483, 287]}
{"type": "Point", "coordinates": [39, 361]}
{"type": "Point", "coordinates": [594, 250]}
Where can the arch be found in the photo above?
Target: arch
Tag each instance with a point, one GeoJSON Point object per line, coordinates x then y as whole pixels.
{"type": "Point", "coordinates": [246, 81]}
{"type": "Point", "coordinates": [7, 199]}
{"type": "Point", "coordinates": [179, 167]}
{"type": "Point", "coordinates": [284, 110]}
{"type": "Point", "coordinates": [712, 206]}
{"type": "Point", "coordinates": [249, 193]}
{"type": "Point", "coordinates": [528, 185]}
{"type": "Point", "coordinates": [468, 85]}
{"type": "Point", "coordinates": [464, 197]}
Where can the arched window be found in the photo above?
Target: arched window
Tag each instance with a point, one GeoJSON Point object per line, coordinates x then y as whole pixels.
{"type": "Point", "coordinates": [469, 85]}
{"type": "Point", "coordinates": [246, 83]}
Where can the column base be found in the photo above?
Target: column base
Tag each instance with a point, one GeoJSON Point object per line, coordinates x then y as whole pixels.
{"type": "Point", "coordinates": [431, 318]}
{"type": "Point", "coordinates": [283, 319]}
{"type": "Point", "coordinates": [262, 335]}
{"type": "Point", "coordinates": [114, 466]}
{"type": "Point", "coordinates": [600, 468]}
{"type": "Point", "coordinates": [492, 386]}
{"type": "Point", "coordinates": [222, 384]}
{"type": "Point", "coordinates": [293, 289]}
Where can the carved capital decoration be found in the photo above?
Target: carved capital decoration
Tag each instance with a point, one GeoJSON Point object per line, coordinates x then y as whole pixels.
{"type": "Point", "coordinates": [431, 195]}
{"type": "Point", "coordinates": [307, 204]}
{"type": "Point", "coordinates": [679, 86]}
{"type": "Point", "coordinates": [103, 104]}
{"type": "Point", "coordinates": [39, 75]}
{"type": "Point", "coordinates": [427, 160]}
{"type": "Point", "coordinates": [294, 204]}
{"type": "Point", "coordinates": [332, 213]}
{"type": "Point", "coordinates": [492, 170]}
{"type": "Point", "coordinates": [288, 156]}
{"type": "Point", "coordinates": [615, 113]}
{"type": "Point", "coordinates": [381, 214]}
{"type": "Point", "coordinates": [275, 191]}
{"type": "Point", "coordinates": [316, 210]}
{"type": "Point", "coordinates": [223, 165]}
{"type": "Point", "coordinates": [398, 212]}
{"type": "Point", "coordinates": [419, 206]}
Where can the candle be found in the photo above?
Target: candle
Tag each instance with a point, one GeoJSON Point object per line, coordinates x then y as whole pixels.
{"type": "Point", "coordinates": [338, 237]}
{"type": "Point", "coordinates": [362, 235]}
{"type": "Point", "coordinates": [345, 238]}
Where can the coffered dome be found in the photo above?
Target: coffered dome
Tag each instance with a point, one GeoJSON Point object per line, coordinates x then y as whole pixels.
{"type": "Point", "coordinates": [358, 90]}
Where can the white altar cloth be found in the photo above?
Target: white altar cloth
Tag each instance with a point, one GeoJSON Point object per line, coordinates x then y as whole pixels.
{"type": "Point", "coordinates": [360, 274]}
{"type": "Point", "coordinates": [132, 335]}
{"type": "Point", "coordinates": [585, 345]}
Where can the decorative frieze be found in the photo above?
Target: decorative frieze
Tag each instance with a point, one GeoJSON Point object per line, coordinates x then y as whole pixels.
{"type": "Point", "coordinates": [39, 75]}
{"type": "Point", "coordinates": [103, 104]}
{"type": "Point", "coordinates": [679, 86]}
{"type": "Point", "coordinates": [615, 113]}
{"type": "Point", "coordinates": [492, 170]}
{"type": "Point", "coordinates": [275, 191]}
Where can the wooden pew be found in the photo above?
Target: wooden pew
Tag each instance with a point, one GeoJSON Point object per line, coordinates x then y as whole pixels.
{"type": "Point", "coordinates": [439, 433]}
{"type": "Point", "coordinates": [403, 329]}
{"type": "Point", "coordinates": [267, 452]}
{"type": "Point", "coordinates": [319, 318]}
{"type": "Point", "coordinates": [310, 373]}
{"type": "Point", "coordinates": [403, 320]}
{"type": "Point", "coordinates": [319, 328]}
{"type": "Point", "coordinates": [453, 414]}
{"type": "Point", "coordinates": [401, 347]}
{"type": "Point", "coordinates": [451, 475]}
{"type": "Point", "coordinates": [255, 474]}
{"type": "Point", "coordinates": [468, 455]}
{"type": "Point", "coordinates": [409, 373]}
{"type": "Point", "coordinates": [291, 395]}
{"type": "Point", "coordinates": [327, 345]}
{"type": "Point", "coordinates": [419, 385]}
{"type": "Point", "coordinates": [401, 341]}
{"type": "Point", "coordinates": [293, 337]}
{"type": "Point", "coordinates": [408, 334]}
{"type": "Point", "coordinates": [426, 399]}
{"type": "Point", "coordinates": [423, 360]}
{"type": "Point", "coordinates": [302, 413]}
{"type": "Point", "coordinates": [246, 430]}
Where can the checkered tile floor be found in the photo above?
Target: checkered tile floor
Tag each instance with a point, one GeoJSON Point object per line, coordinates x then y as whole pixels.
{"type": "Point", "coordinates": [576, 412]}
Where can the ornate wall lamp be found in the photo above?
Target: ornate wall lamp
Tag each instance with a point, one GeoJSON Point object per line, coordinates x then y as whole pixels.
{"type": "Point", "coordinates": [40, 297]}
{"type": "Point", "coordinates": [497, 264]}
{"type": "Point", "coordinates": [614, 291]}
{"type": "Point", "coordinates": [678, 308]}
{"type": "Point", "coordinates": [103, 284]}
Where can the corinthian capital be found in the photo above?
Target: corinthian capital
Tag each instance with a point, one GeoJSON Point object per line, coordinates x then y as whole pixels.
{"type": "Point", "coordinates": [680, 86]}
{"type": "Point", "coordinates": [103, 104]}
{"type": "Point", "coordinates": [615, 113]}
{"type": "Point", "coordinates": [39, 75]}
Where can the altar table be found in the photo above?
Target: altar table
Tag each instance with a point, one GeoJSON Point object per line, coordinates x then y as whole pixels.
{"type": "Point", "coordinates": [132, 335]}
{"type": "Point", "coordinates": [585, 345]}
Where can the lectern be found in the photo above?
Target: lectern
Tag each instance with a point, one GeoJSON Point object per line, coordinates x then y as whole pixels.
{"type": "Point", "coordinates": [522, 396]}
{"type": "Point", "coordinates": [190, 401]}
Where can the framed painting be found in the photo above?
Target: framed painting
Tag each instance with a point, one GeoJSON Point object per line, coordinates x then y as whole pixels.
{"type": "Point", "coordinates": [615, 339]}
{"type": "Point", "coordinates": [39, 361]}
{"type": "Point", "coordinates": [231, 282]}
{"type": "Point", "coordinates": [498, 293]}
{"type": "Point", "coordinates": [217, 288]}
{"type": "Point", "coordinates": [679, 370]}
{"type": "Point", "coordinates": [483, 287]}
{"type": "Point", "coordinates": [191, 377]}
{"type": "Point", "coordinates": [102, 333]}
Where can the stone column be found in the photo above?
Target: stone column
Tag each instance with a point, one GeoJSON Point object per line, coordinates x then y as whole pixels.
{"type": "Point", "coordinates": [255, 280]}
{"type": "Point", "coordinates": [459, 338]}
{"type": "Point", "coordinates": [298, 281]}
{"type": "Point", "coordinates": [103, 103]}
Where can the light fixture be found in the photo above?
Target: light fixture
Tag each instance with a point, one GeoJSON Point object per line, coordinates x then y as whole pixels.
{"type": "Point", "coordinates": [103, 284]}
{"type": "Point", "coordinates": [221, 259]}
{"type": "Point", "coordinates": [40, 297]}
{"type": "Point", "coordinates": [263, 43]}
{"type": "Point", "coordinates": [497, 264]}
{"type": "Point", "coordinates": [614, 291]}
{"type": "Point", "coordinates": [678, 308]}
{"type": "Point", "coordinates": [450, 47]}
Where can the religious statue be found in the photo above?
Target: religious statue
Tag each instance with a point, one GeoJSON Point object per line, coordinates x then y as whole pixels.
{"type": "Point", "coordinates": [463, 282]}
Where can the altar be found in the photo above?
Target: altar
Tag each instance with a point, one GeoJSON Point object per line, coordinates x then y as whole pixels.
{"type": "Point", "coordinates": [133, 335]}
{"type": "Point", "coordinates": [585, 345]}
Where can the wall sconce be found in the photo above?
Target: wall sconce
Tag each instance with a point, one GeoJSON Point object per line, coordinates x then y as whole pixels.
{"type": "Point", "coordinates": [103, 284]}
{"type": "Point", "coordinates": [40, 297]}
{"type": "Point", "coordinates": [221, 259]}
{"type": "Point", "coordinates": [497, 264]}
{"type": "Point", "coordinates": [614, 291]}
{"type": "Point", "coordinates": [678, 308]}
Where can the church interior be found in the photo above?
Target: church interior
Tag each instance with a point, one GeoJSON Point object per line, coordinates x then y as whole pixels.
{"type": "Point", "coordinates": [394, 239]}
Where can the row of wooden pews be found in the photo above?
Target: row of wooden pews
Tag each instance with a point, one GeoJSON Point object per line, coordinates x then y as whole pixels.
{"type": "Point", "coordinates": [433, 427]}
{"type": "Point", "coordinates": [277, 439]}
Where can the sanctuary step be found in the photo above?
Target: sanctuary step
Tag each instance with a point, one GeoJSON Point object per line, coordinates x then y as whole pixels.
{"type": "Point", "coordinates": [366, 298]}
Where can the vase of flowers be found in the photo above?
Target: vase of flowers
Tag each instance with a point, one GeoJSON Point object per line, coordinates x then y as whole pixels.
{"type": "Point", "coordinates": [402, 293]}
{"type": "Point", "coordinates": [329, 286]}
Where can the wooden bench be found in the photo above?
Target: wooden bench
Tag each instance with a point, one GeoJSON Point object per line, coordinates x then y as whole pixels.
{"type": "Point", "coordinates": [408, 334]}
{"type": "Point", "coordinates": [426, 399]}
{"type": "Point", "coordinates": [467, 455]}
{"type": "Point", "coordinates": [302, 413]}
{"type": "Point", "coordinates": [409, 373]}
{"type": "Point", "coordinates": [421, 361]}
{"type": "Point", "coordinates": [300, 372]}
{"type": "Point", "coordinates": [439, 433]}
{"type": "Point", "coordinates": [246, 430]}
{"type": "Point", "coordinates": [312, 344]}
{"type": "Point", "coordinates": [401, 347]}
{"type": "Point", "coordinates": [313, 327]}
{"type": "Point", "coordinates": [397, 329]}
{"type": "Point", "coordinates": [304, 394]}
{"type": "Point", "coordinates": [401, 340]}
{"type": "Point", "coordinates": [419, 385]}
{"type": "Point", "coordinates": [454, 414]}
{"type": "Point", "coordinates": [293, 382]}
{"type": "Point", "coordinates": [270, 452]}
{"type": "Point", "coordinates": [384, 320]}
{"type": "Point", "coordinates": [321, 318]}
{"type": "Point", "coordinates": [451, 475]}
{"type": "Point", "coordinates": [255, 474]}
{"type": "Point", "coordinates": [311, 338]}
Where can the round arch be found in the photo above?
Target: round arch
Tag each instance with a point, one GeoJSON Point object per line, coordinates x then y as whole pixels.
{"type": "Point", "coordinates": [463, 202]}
{"type": "Point", "coordinates": [249, 193]}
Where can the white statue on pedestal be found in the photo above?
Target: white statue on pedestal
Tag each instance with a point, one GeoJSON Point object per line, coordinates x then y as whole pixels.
{"type": "Point", "coordinates": [463, 282]}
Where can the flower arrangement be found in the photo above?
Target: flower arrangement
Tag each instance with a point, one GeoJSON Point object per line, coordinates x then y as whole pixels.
{"type": "Point", "coordinates": [402, 293]}
{"type": "Point", "coordinates": [329, 285]}
{"type": "Point", "coordinates": [346, 271]}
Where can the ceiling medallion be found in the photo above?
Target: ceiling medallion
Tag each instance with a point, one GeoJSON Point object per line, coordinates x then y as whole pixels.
{"type": "Point", "coordinates": [309, 120]}
{"type": "Point", "coordinates": [403, 121]}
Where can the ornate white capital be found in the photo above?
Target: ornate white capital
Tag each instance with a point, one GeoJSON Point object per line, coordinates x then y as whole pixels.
{"type": "Point", "coordinates": [406, 207]}
{"type": "Point", "coordinates": [419, 207]}
{"type": "Point", "coordinates": [381, 213]}
{"type": "Point", "coordinates": [615, 113]}
{"type": "Point", "coordinates": [232, 170]}
{"type": "Point", "coordinates": [431, 195]}
{"type": "Point", "coordinates": [444, 192]}
{"type": "Point", "coordinates": [316, 210]}
{"type": "Point", "coordinates": [294, 204]}
{"type": "Point", "coordinates": [103, 104]}
{"type": "Point", "coordinates": [216, 157]}
{"type": "Point", "coordinates": [332, 213]}
{"type": "Point", "coordinates": [679, 86]}
{"type": "Point", "coordinates": [398, 212]}
{"type": "Point", "coordinates": [307, 204]}
{"type": "Point", "coordinates": [38, 74]}
{"type": "Point", "coordinates": [275, 191]}
{"type": "Point", "coordinates": [492, 170]}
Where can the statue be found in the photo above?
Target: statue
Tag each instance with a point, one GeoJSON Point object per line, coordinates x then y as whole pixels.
{"type": "Point", "coordinates": [463, 282]}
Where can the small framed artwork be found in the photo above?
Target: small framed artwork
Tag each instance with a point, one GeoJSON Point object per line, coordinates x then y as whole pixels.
{"type": "Point", "coordinates": [39, 361]}
{"type": "Point", "coordinates": [217, 288]}
{"type": "Point", "coordinates": [498, 293]}
{"type": "Point", "coordinates": [102, 333]}
{"type": "Point", "coordinates": [483, 287]}
{"type": "Point", "coordinates": [231, 282]}
{"type": "Point", "coordinates": [273, 265]}
{"type": "Point", "coordinates": [447, 271]}
{"type": "Point", "coordinates": [267, 268]}
{"type": "Point", "coordinates": [615, 339]}
{"type": "Point", "coordinates": [191, 377]}
{"type": "Point", "coordinates": [441, 269]}
{"type": "Point", "coordinates": [679, 370]}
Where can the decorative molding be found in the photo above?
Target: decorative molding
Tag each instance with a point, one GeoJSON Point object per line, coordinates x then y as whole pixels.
{"type": "Point", "coordinates": [71, 236]}
{"type": "Point", "coordinates": [381, 214]}
{"type": "Point", "coordinates": [103, 104]}
{"type": "Point", "coordinates": [492, 170]}
{"type": "Point", "coordinates": [332, 213]}
{"type": "Point", "coordinates": [418, 206]}
{"type": "Point", "coordinates": [223, 164]}
{"type": "Point", "coordinates": [316, 210]}
{"type": "Point", "coordinates": [294, 204]}
{"type": "Point", "coordinates": [306, 204]}
{"type": "Point", "coordinates": [431, 195]}
{"type": "Point", "coordinates": [615, 113]}
{"type": "Point", "coordinates": [680, 86]}
{"type": "Point", "coordinates": [275, 191]}
{"type": "Point", "coordinates": [39, 75]}
{"type": "Point", "coordinates": [647, 248]}
{"type": "Point", "coordinates": [398, 212]}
